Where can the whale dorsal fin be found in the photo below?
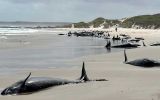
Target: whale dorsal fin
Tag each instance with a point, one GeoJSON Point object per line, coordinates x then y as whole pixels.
{"type": "Point", "coordinates": [23, 84]}
{"type": "Point", "coordinates": [84, 76]}
{"type": "Point", "coordinates": [108, 45]}
{"type": "Point", "coordinates": [125, 56]}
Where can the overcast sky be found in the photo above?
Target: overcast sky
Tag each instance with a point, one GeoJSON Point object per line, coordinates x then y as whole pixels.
{"type": "Point", "coordinates": [74, 10]}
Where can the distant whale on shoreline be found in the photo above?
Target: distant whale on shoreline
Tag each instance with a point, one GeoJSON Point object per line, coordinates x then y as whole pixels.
{"type": "Point", "coordinates": [155, 44]}
{"type": "Point", "coordinates": [144, 62]}
{"type": "Point", "coordinates": [125, 45]}
{"type": "Point", "coordinates": [34, 84]}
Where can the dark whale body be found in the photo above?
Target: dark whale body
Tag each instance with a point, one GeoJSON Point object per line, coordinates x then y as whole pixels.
{"type": "Point", "coordinates": [126, 45]}
{"type": "Point", "coordinates": [134, 40]}
{"type": "Point", "coordinates": [155, 44]}
{"type": "Point", "coordinates": [34, 84]}
{"type": "Point", "coordinates": [139, 38]}
{"type": "Point", "coordinates": [144, 62]}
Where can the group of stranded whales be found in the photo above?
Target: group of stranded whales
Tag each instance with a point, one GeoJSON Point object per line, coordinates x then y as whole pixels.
{"type": "Point", "coordinates": [106, 35]}
{"type": "Point", "coordinates": [129, 44]}
{"type": "Point", "coordinates": [144, 62]}
{"type": "Point", "coordinates": [33, 84]}
{"type": "Point", "coordinates": [126, 40]}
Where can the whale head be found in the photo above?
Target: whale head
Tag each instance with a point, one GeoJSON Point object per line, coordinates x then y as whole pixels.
{"type": "Point", "coordinates": [12, 90]}
{"type": "Point", "coordinates": [16, 88]}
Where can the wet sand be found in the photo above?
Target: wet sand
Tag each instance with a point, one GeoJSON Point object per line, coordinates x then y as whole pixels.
{"type": "Point", "coordinates": [126, 82]}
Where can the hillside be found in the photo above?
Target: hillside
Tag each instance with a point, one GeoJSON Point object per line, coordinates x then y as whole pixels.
{"type": "Point", "coordinates": [98, 22]}
{"type": "Point", "coordinates": [143, 21]}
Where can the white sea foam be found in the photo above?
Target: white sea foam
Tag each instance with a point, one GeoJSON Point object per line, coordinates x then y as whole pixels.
{"type": "Point", "coordinates": [16, 30]}
{"type": "Point", "coordinates": [28, 31]}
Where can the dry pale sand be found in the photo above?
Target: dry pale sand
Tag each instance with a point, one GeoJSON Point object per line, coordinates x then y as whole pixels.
{"type": "Point", "coordinates": [126, 82]}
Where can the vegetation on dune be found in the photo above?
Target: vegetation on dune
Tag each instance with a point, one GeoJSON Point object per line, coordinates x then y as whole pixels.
{"type": "Point", "coordinates": [97, 22]}
{"type": "Point", "coordinates": [81, 25]}
{"type": "Point", "coordinates": [78, 25]}
{"type": "Point", "coordinates": [110, 23]}
{"type": "Point", "coordinates": [143, 21]}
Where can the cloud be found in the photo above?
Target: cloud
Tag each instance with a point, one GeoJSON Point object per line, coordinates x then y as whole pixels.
{"type": "Point", "coordinates": [74, 10]}
{"type": "Point", "coordinates": [127, 2]}
{"type": "Point", "coordinates": [28, 1]}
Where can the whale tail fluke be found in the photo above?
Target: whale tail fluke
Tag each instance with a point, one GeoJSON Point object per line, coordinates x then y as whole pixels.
{"type": "Point", "coordinates": [84, 76]}
{"type": "Point", "coordinates": [125, 56]}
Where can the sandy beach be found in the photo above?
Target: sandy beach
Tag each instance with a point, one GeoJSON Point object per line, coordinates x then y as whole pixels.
{"type": "Point", "coordinates": [126, 82]}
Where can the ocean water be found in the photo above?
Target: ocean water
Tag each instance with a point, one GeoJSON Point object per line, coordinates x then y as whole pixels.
{"type": "Point", "coordinates": [44, 50]}
{"type": "Point", "coordinates": [22, 24]}
{"type": "Point", "coordinates": [20, 28]}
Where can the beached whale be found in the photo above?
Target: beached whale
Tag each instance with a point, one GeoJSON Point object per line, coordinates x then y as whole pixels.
{"type": "Point", "coordinates": [34, 84]}
{"type": "Point", "coordinates": [139, 38]}
{"type": "Point", "coordinates": [134, 40]}
{"type": "Point", "coordinates": [144, 62]}
{"type": "Point", "coordinates": [155, 44]}
{"type": "Point", "coordinates": [126, 45]}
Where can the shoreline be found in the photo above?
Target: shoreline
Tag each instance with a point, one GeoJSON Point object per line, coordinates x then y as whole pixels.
{"type": "Point", "coordinates": [133, 33]}
{"type": "Point", "coordinates": [126, 82]}
{"type": "Point", "coordinates": [46, 51]}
